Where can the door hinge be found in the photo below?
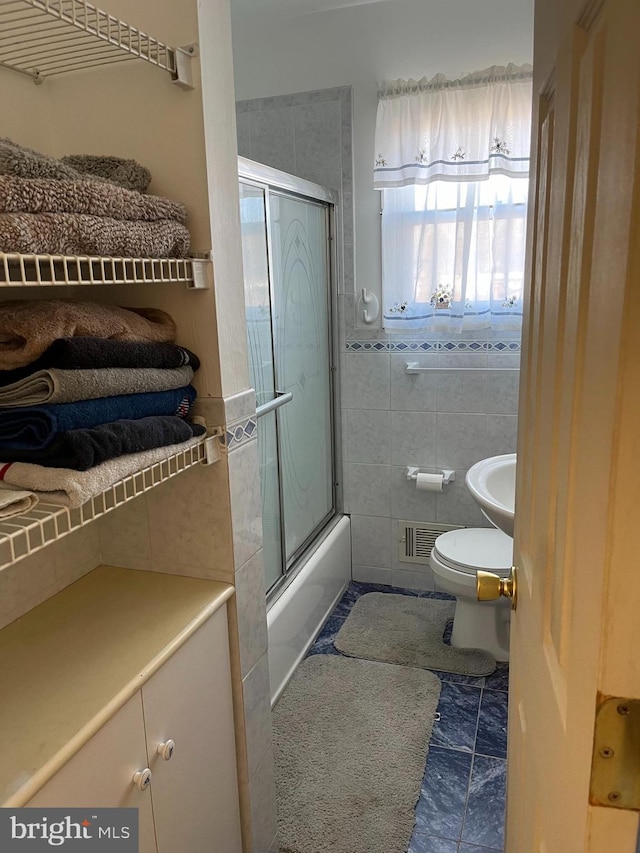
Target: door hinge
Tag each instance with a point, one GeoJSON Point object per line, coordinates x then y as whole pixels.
{"type": "Point", "coordinates": [615, 780]}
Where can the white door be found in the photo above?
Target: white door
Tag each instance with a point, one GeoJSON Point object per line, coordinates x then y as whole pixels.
{"type": "Point", "coordinates": [577, 538]}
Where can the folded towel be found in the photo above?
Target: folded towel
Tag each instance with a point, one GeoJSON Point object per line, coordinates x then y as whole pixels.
{"type": "Point", "coordinates": [35, 427]}
{"type": "Point", "coordinates": [68, 386]}
{"type": "Point", "coordinates": [126, 173]}
{"type": "Point", "coordinates": [99, 353]}
{"type": "Point", "coordinates": [79, 234]}
{"type": "Point", "coordinates": [15, 501]}
{"type": "Point", "coordinates": [26, 163]}
{"type": "Point", "coordinates": [97, 198]}
{"type": "Point", "coordinates": [27, 328]}
{"type": "Point", "coordinates": [82, 449]}
{"type": "Point", "coordinates": [72, 488]}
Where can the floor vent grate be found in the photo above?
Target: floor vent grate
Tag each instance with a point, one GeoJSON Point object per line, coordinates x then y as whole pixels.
{"type": "Point", "coordinates": [416, 540]}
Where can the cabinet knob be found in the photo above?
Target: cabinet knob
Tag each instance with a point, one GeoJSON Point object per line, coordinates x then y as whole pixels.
{"type": "Point", "coordinates": [142, 778]}
{"type": "Point", "coordinates": [166, 748]}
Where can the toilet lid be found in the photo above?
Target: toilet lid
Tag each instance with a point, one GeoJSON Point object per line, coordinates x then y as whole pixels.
{"type": "Point", "coordinates": [469, 549]}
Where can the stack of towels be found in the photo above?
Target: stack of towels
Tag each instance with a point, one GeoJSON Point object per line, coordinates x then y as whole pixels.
{"type": "Point", "coordinates": [84, 205]}
{"type": "Point", "coordinates": [89, 394]}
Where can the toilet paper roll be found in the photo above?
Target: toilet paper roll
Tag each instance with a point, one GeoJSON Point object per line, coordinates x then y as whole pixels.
{"type": "Point", "coordinates": [429, 482]}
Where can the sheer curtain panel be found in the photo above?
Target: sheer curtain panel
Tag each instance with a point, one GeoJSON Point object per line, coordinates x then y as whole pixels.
{"type": "Point", "coordinates": [452, 162]}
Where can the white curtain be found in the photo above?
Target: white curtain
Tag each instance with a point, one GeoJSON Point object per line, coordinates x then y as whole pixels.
{"type": "Point", "coordinates": [452, 162]}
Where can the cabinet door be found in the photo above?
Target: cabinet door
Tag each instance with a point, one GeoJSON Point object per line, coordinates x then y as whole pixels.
{"type": "Point", "coordinates": [195, 792]}
{"type": "Point", "coordinates": [100, 775]}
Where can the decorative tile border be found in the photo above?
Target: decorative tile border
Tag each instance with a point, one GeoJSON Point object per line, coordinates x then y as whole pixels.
{"type": "Point", "coordinates": [433, 346]}
{"type": "Point", "coordinates": [240, 433]}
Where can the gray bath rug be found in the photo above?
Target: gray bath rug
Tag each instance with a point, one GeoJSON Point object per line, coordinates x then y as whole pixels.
{"type": "Point", "coordinates": [350, 742]}
{"type": "Point", "coordinates": [407, 630]}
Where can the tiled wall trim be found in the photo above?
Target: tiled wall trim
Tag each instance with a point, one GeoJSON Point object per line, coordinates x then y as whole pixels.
{"type": "Point", "coordinates": [238, 434]}
{"type": "Point", "coordinates": [433, 346]}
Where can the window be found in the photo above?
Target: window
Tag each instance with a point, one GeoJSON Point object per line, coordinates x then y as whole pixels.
{"type": "Point", "coordinates": [453, 254]}
{"type": "Point", "coordinates": [452, 164]}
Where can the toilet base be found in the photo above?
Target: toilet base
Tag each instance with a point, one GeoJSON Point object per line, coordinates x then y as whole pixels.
{"type": "Point", "coordinates": [482, 626]}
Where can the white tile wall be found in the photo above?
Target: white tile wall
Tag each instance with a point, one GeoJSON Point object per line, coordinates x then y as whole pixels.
{"type": "Point", "coordinates": [309, 135]}
{"type": "Point", "coordinates": [366, 489]}
{"type": "Point", "coordinates": [262, 793]}
{"type": "Point", "coordinates": [252, 612]}
{"type": "Point", "coordinates": [392, 420]}
{"type": "Point", "coordinates": [371, 540]}
{"type": "Point", "coordinates": [257, 713]}
{"type": "Point", "coordinates": [366, 381]}
{"type": "Point", "coordinates": [413, 438]}
{"type": "Point", "coordinates": [367, 435]}
{"type": "Point", "coordinates": [246, 508]}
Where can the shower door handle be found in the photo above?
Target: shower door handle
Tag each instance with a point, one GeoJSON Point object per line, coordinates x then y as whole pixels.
{"type": "Point", "coordinates": [280, 399]}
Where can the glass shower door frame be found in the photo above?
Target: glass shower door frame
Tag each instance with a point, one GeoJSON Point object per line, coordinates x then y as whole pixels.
{"type": "Point", "coordinates": [273, 182]}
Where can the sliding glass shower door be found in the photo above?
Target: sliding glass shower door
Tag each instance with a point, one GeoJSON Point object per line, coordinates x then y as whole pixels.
{"type": "Point", "coordinates": [287, 293]}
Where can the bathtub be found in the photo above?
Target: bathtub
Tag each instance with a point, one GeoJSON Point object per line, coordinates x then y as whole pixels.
{"type": "Point", "coordinates": [295, 618]}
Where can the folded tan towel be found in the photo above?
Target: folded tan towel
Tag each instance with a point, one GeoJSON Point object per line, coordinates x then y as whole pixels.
{"type": "Point", "coordinates": [26, 163]}
{"type": "Point", "coordinates": [72, 488]}
{"type": "Point", "coordinates": [126, 173]}
{"type": "Point", "coordinates": [80, 234]}
{"type": "Point", "coordinates": [41, 195]}
{"type": "Point", "coordinates": [15, 501]}
{"type": "Point", "coordinates": [27, 328]}
{"type": "Point", "coordinates": [68, 386]}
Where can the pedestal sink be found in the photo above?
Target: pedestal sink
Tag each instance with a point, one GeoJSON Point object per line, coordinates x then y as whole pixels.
{"type": "Point", "coordinates": [492, 482]}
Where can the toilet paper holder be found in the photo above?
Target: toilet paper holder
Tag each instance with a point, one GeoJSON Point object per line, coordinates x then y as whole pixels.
{"type": "Point", "coordinates": [448, 474]}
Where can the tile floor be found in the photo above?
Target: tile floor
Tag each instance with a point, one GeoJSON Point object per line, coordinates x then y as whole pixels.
{"type": "Point", "coordinates": [462, 800]}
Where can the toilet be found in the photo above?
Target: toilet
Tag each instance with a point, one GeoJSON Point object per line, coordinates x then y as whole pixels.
{"type": "Point", "coordinates": [455, 559]}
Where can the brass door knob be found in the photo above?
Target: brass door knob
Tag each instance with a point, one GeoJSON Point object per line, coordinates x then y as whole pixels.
{"type": "Point", "coordinates": [490, 586]}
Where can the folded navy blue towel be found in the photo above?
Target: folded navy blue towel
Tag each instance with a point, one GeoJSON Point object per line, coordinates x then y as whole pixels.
{"type": "Point", "coordinates": [89, 353]}
{"type": "Point", "coordinates": [81, 449]}
{"type": "Point", "coordinates": [35, 427]}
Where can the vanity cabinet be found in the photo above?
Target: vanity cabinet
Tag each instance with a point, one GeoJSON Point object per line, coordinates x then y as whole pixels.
{"type": "Point", "coordinates": [178, 724]}
{"type": "Point", "coordinates": [100, 775]}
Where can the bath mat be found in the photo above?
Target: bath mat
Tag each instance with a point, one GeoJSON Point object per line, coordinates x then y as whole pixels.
{"type": "Point", "coordinates": [350, 743]}
{"type": "Point", "coordinates": [407, 630]}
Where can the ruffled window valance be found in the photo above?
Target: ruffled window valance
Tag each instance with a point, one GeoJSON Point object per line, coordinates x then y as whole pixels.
{"type": "Point", "coordinates": [454, 130]}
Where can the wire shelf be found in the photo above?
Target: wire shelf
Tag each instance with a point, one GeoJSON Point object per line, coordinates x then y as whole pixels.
{"type": "Point", "coordinates": [41, 38]}
{"type": "Point", "coordinates": [23, 535]}
{"type": "Point", "coordinates": [44, 270]}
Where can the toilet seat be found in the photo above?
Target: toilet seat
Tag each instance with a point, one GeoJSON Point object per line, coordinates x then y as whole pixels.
{"type": "Point", "coordinates": [471, 549]}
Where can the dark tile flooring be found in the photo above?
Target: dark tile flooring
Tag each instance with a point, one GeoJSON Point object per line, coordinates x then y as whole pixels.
{"type": "Point", "coordinates": [462, 800]}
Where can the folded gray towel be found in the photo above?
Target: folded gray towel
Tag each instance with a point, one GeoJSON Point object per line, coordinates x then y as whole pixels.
{"type": "Point", "coordinates": [46, 195]}
{"type": "Point", "coordinates": [72, 488]}
{"type": "Point", "coordinates": [67, 386]}
{"type": "Point", "coordinates": [79, 234]}
{"type": "Point", "coordinates": [125, 173]}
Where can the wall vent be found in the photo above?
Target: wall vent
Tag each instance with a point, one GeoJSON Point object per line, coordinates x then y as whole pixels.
{"type": "Point", "coordinates": [416, 539]}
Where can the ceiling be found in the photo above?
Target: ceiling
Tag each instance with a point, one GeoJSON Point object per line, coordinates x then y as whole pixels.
{"type": "Point", "coordinates": [292, 8]}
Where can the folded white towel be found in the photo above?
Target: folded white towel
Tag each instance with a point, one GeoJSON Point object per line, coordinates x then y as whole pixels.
{"type": "Point", "coordinates": [15, 501]}
{"type": "Point", "coordinates": [72, 488]}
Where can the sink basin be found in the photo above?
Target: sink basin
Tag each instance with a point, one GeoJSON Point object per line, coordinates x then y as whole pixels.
{"type": "Point", "coordinates": [492, 482]}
